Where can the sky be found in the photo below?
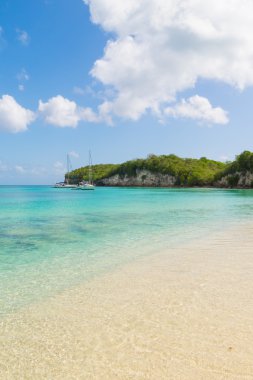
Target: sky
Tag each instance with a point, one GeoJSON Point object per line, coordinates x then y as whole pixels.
{"type": "Point", "coordinates": [124, 79]}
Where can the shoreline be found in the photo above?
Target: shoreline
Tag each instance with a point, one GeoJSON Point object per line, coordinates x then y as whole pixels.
{"type": "Point", "coordinates": [143, 187]}
{"type": "Point", "coordinates": [176, 187]}
{"type": "Point", "coordinates": [185, 313]}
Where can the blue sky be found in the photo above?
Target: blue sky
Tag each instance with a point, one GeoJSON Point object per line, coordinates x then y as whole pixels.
{"type": "Point", "coordinates": [143, 92]}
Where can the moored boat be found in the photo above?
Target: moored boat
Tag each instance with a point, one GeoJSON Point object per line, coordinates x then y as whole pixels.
{"type": "Point", "coordinates": [87, 185]}
{"type": "Point", "coordinates": [66, 184]}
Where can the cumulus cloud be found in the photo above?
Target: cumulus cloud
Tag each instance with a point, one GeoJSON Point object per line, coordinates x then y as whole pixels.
{"type": "Point", "coordinates": [23, 37]}
{"type": "Point", "coordinates": [60, 111]}
{"type": "Point", "coordinates": [57, 111]}
{"type": "Point", "coordinates": [162, 47]}
{"type": "Point", "coordinates": [198, 108]}
{"type": "Point", "coordinates": [13, 117]}
{"type": "Point", "coordinates": [63, 112]}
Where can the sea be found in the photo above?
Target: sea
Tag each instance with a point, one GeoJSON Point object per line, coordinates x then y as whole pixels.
{"type": "Point", "coordinates": [52, 240]}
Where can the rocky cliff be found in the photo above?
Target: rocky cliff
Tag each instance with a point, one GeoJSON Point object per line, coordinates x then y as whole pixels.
{"type": "Point", "coordinates": [236, 180]}
{"type": "Point", "coordinates": [142, 178]}
{"type": "Point", "coordinates": [145, 178]}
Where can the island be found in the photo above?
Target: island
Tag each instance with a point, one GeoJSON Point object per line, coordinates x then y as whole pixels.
{"type": "Point", "coordinates": [171, 171]}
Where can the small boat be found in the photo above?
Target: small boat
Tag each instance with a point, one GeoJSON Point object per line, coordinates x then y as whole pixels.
{"type": "Point", "coordinates": [87, 185]}
{"type": "Point", "coordinates": [63, 185]}
{"type": "Point", "coordinates": [66, 184]}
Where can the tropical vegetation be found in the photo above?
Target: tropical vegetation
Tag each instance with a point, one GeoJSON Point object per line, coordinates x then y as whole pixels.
{"type": "Point", "coordinates": [98, 172]}
{"type": "Point", "coordinates": [242, 165]}
{"type": "Point", "coordinates": [188, 171]}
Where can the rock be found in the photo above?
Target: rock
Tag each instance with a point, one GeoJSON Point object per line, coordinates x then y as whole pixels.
{"type": "Point", "coordinates": [143, 178]}
{"type": "Point", "coordinates": [236, 180]}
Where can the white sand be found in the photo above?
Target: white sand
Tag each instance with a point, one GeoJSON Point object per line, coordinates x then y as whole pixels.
{"type": "Point", "coordinates": [182, 314]}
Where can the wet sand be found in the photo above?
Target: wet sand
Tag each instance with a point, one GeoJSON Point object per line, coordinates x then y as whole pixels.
{"type": "Point", "coordinates": [185, 313]}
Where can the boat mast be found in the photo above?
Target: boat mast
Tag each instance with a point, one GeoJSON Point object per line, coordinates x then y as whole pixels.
{"type": "Point", "coordinates": [69, 168]}
{"type": "Point", "coordinates": [90, 168]}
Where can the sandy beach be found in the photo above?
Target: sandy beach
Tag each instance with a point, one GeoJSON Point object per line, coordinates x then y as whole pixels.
{"type": "Point", "coordinates": [148, 103]}
{"type": "Point", "coordinates": [186, 313]}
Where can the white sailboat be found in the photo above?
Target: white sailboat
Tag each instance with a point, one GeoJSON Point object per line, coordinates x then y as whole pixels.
{"type": "Point", "coordinates": [66, 184]}
{"type": "Point", "coordinates": [87, 185]}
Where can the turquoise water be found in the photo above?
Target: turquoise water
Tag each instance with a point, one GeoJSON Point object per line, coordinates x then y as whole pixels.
{"type": "Point", "coordinates": [54, 239]}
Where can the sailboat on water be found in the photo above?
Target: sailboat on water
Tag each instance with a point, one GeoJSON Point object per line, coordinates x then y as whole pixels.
{"type": "Point", "coordinates": [66, 184]}
{"type": "Point", "coordinates": [84, 185]}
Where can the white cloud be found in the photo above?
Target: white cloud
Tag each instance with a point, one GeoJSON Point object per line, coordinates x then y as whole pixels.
{"type": "Point", "coordinates": [60, 111]}
{"type": "Point", "coordinates": [105, 110]}
{"type": "Point", "coordinates": [57, 111]}
{"type": "Point", "coordinates": [162, 47]}
{"type": "Point", "coordinates": [198, 108]}
{"type": "Point", "coordinates": [63, 112]}
{"type": "Point", "coordinates": [23, 37]}
{"type": "Point", "coordinates": [13, 117]}
{"type": "Point", "coordinates": [87, 114]}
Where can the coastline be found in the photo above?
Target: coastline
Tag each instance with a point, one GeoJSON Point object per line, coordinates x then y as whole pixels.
{"type": "Point", "coordinates": [185, 313]}
{"type": "Point", "coordinates": [211, 187]}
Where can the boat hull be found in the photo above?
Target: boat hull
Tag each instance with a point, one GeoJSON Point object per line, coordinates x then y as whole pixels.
{"type": "Point", "coordinates": [85, 187]}
{"type": "Point", "coordinates": [65, 186]}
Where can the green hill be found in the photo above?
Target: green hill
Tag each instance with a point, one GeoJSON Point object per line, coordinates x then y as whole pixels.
{"type": "Point", "coordinates": [98, 172]}
{"type": "Point", "coordinates": [187, 171]}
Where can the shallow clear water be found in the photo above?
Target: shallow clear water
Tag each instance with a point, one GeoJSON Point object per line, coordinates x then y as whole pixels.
{"type": "Point", "coordinates": [53, 239]}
